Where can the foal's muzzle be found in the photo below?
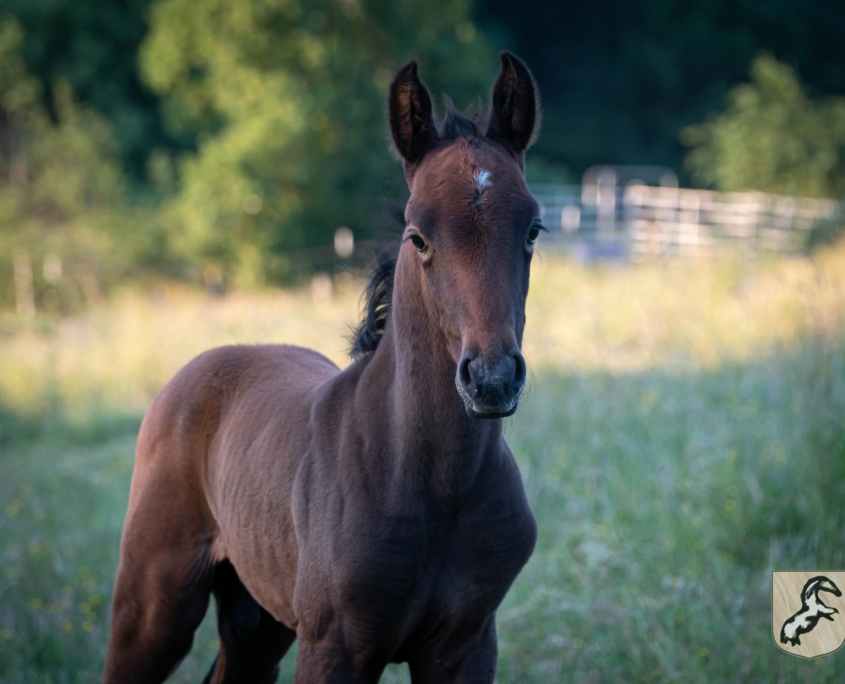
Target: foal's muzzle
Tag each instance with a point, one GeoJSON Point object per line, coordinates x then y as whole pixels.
{"type": "Point", "coordinates": [491, 389]}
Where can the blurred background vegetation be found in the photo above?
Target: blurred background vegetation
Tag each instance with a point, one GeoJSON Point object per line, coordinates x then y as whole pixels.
{"type": "Point", "coordinates": [172, 170]}
{"type": "Point", "coordinates": [180, 138]}
{"type": "Point", "coordinates": [681, 436]}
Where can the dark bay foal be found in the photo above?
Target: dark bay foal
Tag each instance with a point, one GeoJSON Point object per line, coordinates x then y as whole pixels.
{"type": "Point", "coordinates": [376, 513]}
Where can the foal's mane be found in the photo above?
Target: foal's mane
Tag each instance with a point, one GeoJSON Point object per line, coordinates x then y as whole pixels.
{"type": "Point", "coordinates": [378, 295]}
{"type": "Point", "coordinates": [379, 292]}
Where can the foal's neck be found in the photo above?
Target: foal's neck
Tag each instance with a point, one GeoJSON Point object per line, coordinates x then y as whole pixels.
{"type": "Point", "coordinates": [438, 444]}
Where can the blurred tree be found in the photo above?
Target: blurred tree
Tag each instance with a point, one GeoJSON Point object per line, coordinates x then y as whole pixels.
{"type": "Point", "coordinates": [92, 46]}
{"type": "Point", "coordinates": [62, 188]}
{"type": "Point", "coordinates": [772, 137]}
{"type": "Point", "coordinates": [621, 79]}
{"type": "Point", "coordinates": [288, 99]}
{"type": "Point", "coordinates": [244, 133]}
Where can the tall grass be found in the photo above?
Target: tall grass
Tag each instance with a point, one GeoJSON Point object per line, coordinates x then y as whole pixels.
{"type": "Point", "coordinates": [683, 435]}
{"type": "Point", "coordinates": [666, 499]}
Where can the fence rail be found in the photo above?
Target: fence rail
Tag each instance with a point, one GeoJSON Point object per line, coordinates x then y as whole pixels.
{"type": "Point", "coordinates": [640, 222]}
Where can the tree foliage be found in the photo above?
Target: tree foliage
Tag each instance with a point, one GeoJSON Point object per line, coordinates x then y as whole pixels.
{"type": "Point", "coordinates": [288, 98]}
{"type": "Point", "coordinates": [92, 46]}
{"type": "Point", "coordinates": [62, 188]}
{"type": "Point", "coordinates": [621, 79]}
{"type": "Point", "coordinates": [186, 134]}
{"type": "Point", "coordinates": [772, 137]}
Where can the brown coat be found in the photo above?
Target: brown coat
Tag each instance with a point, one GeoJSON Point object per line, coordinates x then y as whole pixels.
{"type": "Point", "coordinates": [375, 513]}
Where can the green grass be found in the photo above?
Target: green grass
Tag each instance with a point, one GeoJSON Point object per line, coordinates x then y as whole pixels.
{"type": "Point", "coordinates": [667, 486]}
{"type": "Point", "coordinates": [665, 500]}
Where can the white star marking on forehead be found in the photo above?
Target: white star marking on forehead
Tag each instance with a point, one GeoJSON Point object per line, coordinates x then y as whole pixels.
{"type": "Point", "coordinates": [482, 179]}
{"type": "Point", "coordinates": [480, 182]}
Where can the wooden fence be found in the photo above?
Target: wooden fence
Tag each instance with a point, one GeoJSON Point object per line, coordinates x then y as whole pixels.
{"type": "Point", "coordinates": [640, 222]}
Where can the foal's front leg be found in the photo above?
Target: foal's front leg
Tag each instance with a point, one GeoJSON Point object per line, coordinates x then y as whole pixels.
{"type": "Point", "coordinates": [330, 660]}
{"type": "Point", "coordinates": [468, 659]}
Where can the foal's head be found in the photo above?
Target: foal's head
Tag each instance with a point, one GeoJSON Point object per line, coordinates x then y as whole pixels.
{"type": "Point", "coordinates": [470, 228]}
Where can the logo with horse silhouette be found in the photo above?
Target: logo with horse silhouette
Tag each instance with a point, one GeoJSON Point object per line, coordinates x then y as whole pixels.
{"type": "Point", "coordinates": [808, 612]}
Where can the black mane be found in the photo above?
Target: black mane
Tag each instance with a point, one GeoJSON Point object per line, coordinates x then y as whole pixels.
{"type": "Point", "coordinates": [378, 295]}
{"type": "Point", "coordinates": [379, 292]}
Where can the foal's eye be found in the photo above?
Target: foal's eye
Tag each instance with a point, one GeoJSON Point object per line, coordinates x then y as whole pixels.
{"type": "Point", "coordinates": [534, 232]}
{"type": "Point", "coordinates": [419, 243]}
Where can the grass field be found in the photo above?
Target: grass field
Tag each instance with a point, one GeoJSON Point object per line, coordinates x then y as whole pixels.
{"type": "Point", "coordinates": [682, 436]}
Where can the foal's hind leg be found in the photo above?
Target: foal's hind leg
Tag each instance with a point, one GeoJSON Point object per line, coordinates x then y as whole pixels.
{"type": "Point", "coordinates": [164, 579]}
{"type": "Point", "coordinates": [251, 641]}
{"type": "Point", "coordinates": [161, 596]}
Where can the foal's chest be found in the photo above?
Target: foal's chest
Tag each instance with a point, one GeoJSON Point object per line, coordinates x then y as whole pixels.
{"type": "Point", "coordinates": [483, 556]}
{"type": "Point", "coordinates": [422, 579]}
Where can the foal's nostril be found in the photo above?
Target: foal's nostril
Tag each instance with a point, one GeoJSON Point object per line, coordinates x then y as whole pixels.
{"type": "Point", "coordinates": [520, 372]}
{"type": "Point", "coordinates": [465, 375]}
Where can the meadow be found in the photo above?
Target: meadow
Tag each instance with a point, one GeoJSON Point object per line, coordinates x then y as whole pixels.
{"type": "Point", "coordinates": [683, 434]}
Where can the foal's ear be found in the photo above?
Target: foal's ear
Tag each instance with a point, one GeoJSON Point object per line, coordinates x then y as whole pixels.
{"type": "Point", "coordinates": [411, 116]}
{"type": "Point", "coordinates": [515, 114]}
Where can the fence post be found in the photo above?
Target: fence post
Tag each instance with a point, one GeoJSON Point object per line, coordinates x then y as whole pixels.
{"type": "Point", "coordinates": [24, 298]}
